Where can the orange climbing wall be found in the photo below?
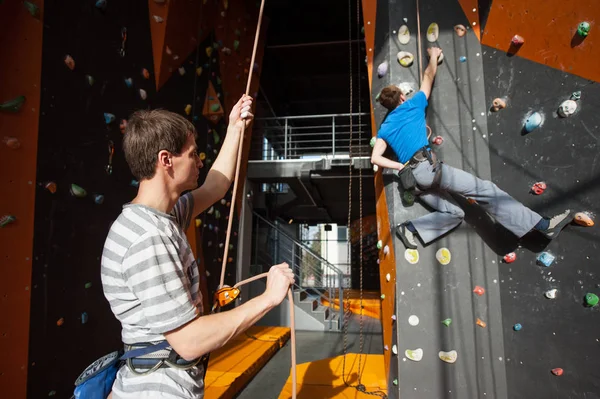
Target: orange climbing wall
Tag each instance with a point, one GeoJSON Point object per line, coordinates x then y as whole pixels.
{"type": "Point", "coordinates": [387, 263]}
{"type": "Point", "coordinates": [471, 10]}
{"type": "Point", "coordinates": [20, 63]}
{"type": "Point", "coordinates": [548, 27]}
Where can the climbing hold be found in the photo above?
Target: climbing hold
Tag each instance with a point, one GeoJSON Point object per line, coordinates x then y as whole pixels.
{"type": "Point", "coordinates": [12, 142]}
{"type": "Point", "coordinates": [90, 80]}
{"type": "Point", "coordinates": [405, 58]}
{"type": "Point", "coordinates": [447, 322]}
{"type": "Point", "coordinates": [108, 118]}
{"type": "Point", "coordinates": [188, 109]}
{"type": "Point", "coordinates": [123, 125]}
{"type": "Point", "coordinates": [394, 317]}
{"type": "Point", "coordinates": [448, 357]}
{"type": "Point", "coordinates": [481, 323]}
{"type": "Point", "coordinates": [395, 382]}
{"type": "Point", "coordinates": [60, 322]}
{"type": "Point", "coordinates": [6, 220]}
{"type": "Point", "coordinates": [158, 19]}
{"type": "Point", "coordinates": [412, 256]}
{"type": "Point", "coordinates": [440, 58]}
{"type": "Point", "coordinates": [583, 219]}
{"type": "Point", "coordinates": [202, 156]}
{"type": "Point", "coordinates": [545, 259]}
{"type": "Point", "coordinates": [198, 71]}
{"type": "Point", "coordinates": [217, 214]}
{"type": "Point", "coordinates": [533, 122]}
{"type": "Point", "coordinates": [460, 30]}
{"type": "Point", "coordinates": [209, 51]}
{"type": "Point", "coordinates": [236, 44]}
{"type": "Point", "coordinates": [84, 318]}
{"type": "Point", "coordinates": [403, 35]}
{"type": "Point", "coordinates": [88, 285]}
{"type": "Point", "coordinates": [382, 69]}
{"type": "Point", "coordinates": [145, 73]}
{"type": "Point", "coordinates": [77, 191]}
{"type": "Point", "coordinates": [211, 210]}
{"type": "Point", "coordinates": [129, 82]}
{"type": "Point", "coordinates": [539, 188]}
{"type": "Point", "coordinates": [379, 244]}
{"type": "Point", "coordinates": [215, 107]}
{"type": "Point", "coordinates": [52, 393]}
{"type": "Point", "coordinates": [567, 108]}
{"type": "Point", "coordinates": [69, 62]}
{"type": "Point", "coordinates": [437, 140]}
{"type": "Point", "coordinates": [583, 29]}
{"type": "Point", "coordinates": [385, 347]}
{"type": "Point", "coordinates": [223, 201]}
{"type": "Point", "coordinates": [408, 198]}
{"type": "Point", "coordinates": [443, 256]}
{"type": "Point", "coordinates": [517, 327]}
{"type": "Point", "coordinates": [413, 320]}
{"type": "Point", "coordinates": [510, 258]}
{"type": "Point", "coordinates": [414, 355]}
{"type": "Point", "coordinates": [517, 40]}
{"type": "Point", "coordinates": [551, 294]}
{"type": "Point", "coordinates": [433, 32]}
{"type": "Point", "coordinates": [101, 4]}
{"type": "Point", "coordinates": [498, 104]}
{"type": "Point", "coordinates": [382, 296]}
{"type": "Point", "coordinates": [387, 277]}
{"type": "Point", "coordinates": [33, 9]}
{"type": "Point", "coordinates": [226, 50]}
{"type": "Point", "coordinates": [557, 371]}
{"type": "Point", "coordinates": [386, 250]}
{"type": "Point", "coordinates": [13, 105]}
{"type": "Point", "coordinates": [99, 199]}
{"type": "Point", "coordinates": [462, 58]}
{"type": "Point", "coordinates": [394, 349]}
{"type": "Point", "coordinates": [479, 290]}
{"type": "Point", "coordinates": [134, 183]}
{"type": "Point", "coordinates": [50, 186]}
{"type": "Point", "coordinates": [181, 71]}
{"type": "Point", "coordinates": [198, 222]}
{"type": "Point", "coordinates": [372, 142]}
{"type": "Point", "coordinates": [591, 299]}
{"type": "Point", "coordinates": [406, 88]}
{"type": "Point", "coordinates": [143, 94]}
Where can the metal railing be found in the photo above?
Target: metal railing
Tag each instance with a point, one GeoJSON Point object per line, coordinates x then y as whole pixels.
{"type": "Point", "coordinates": [296, 137]}
{"type": "Point", "coordinates": [314, 275]}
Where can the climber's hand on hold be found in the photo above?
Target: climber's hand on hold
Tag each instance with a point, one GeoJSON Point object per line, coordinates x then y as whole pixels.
{"type": "Point", "coordinates": [279, 279]}
{"type": "Point", "coordinates": [434, 53]}
{"type": "Point", "coordinates": [241, 112]}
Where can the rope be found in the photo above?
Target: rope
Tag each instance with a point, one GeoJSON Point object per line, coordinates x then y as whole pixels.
{"type": "Point", "coordinates": [419, 43]}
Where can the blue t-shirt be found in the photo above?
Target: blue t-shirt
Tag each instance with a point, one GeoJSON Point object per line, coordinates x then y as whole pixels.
{"type": "Point", "coordinates": [404, 129]}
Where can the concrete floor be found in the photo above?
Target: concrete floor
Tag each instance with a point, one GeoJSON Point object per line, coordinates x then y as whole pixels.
{"type": "Point", "coordinates": [311, 346]}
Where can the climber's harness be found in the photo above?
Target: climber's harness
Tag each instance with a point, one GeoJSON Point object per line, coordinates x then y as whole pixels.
{"type": "Point", "coordinates": [406, 176]}
{"type": "Point", "coordinates": [161, 358]}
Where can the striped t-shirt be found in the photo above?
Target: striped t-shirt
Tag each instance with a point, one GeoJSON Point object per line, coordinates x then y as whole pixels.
{"type": "Point", "coordinates": [151, 281]}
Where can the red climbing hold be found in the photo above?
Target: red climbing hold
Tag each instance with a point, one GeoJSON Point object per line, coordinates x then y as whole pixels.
{"type": "Point", "coordinates": [557, 371]}
{"type": "Point", "coordinates": [510, 258]}
{"type": "Point", "coordinates": [437, 140]}
{"type": "Point", "coordinates": [539, 188]}
{"type": "Point", "coordinates": [479, 290]}
{"type": "Point", "coordinates": [517, 40]}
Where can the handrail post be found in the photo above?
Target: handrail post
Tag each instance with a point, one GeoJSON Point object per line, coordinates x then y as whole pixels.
{"type": "Point", "coordinates": [285, 138]}
{"type": "Point", "coordinates": [341, 299]}
{"type": "Point", "coordinates": [333, 135]}
{"type": "Point", "coordinates": [294, 263]}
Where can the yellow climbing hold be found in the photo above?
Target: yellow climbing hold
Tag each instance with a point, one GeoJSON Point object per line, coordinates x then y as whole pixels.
{"type": "Point", "coordinates": [188, 109]}
{"type": "Point", "coordinates": [412, 256]}
{"type": "Point", "coordinates": [433, 31]}
{"type": "Point", "coordinates": [443, 256]}
{"type": "Point", "coordinates": [405, 58]}
{"type": "Point", "coordinates": [448, 357]}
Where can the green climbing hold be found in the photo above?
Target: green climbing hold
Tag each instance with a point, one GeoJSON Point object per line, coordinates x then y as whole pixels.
{"type": "Point", "coordinates": [382, 296]}
{"type": "Point", "coordinates": [77, 191]}
{"type": "Point", "coordinates": [52, 393]}
{"type": "Point", "coordinates": [583, 29]}
{"type": "Point", "coordinates": [89, 79]}
{"type": "Point", "coordinates": [362, 30]}
{"type": "Point", "coordinates": [217, 214]}
{"type": "Point", "coordinates": [216, 137]}
{"type": "Point", "coordinates": [447, 322]}
{"type": "Point", "coordinates": [372, 142]}
{"type": "Point", "coordinates": [408, 198]}
{"type": "Point", "coordinates": [236, 44]}
{"type": "Point", "coordinates": [13, 105]}
{"type": "Point", "coordinates": [33, 9]}
{"type": "Point", "coordinates": [218, 82]}
{"type": "Point", "coordinates": [591, 299]}
{"type": "Point", "coordinates": [395, 382]}
{"type": "Point", "coordinates": [379, 244]}
{"type": "Point", "coordinates": [215, 107]}
{"type": "Point", "coordinates": [88, 285]}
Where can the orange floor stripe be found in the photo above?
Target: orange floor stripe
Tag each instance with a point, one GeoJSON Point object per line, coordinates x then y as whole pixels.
{"type": "Point", "coordinates": [231, 367]}
{"type": "Point", "coordinates": [323, 378]}
{"type": "Point", "coordinates": [371, 302]}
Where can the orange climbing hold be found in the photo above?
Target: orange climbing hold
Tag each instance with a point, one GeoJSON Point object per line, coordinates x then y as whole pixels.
{"type": "Point", "coordinates": [557, 371]}
{"type": "Point", "coordinates": [583, 219]}
{"type": "Point", "coordinates": [498, 104]}
{"type": "Point", "coordinates": [539, 188]}
{"type": "Point", "coordinates": [481, 323]}
{"type": "Point", "coordinates": [479, 290]}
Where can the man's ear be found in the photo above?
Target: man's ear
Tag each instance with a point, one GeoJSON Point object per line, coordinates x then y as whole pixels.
{"type": "Point", "coordinates": [165, 159]}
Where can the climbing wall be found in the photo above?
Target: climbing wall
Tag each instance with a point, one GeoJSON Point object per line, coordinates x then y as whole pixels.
{"type": "Point", "coordinates": [502, 319]}
{"type": "Point", "coordinates": [101, 61]}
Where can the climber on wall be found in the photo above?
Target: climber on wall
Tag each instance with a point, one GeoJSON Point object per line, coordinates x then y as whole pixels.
{"type": "Point", "coordinates": [404, 130]}
{"type": "Point", "coordinates": [149, 274]}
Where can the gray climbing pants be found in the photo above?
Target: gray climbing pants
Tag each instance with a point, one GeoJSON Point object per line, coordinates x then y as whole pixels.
{"type": "Point", "coordinates": [507, 211]}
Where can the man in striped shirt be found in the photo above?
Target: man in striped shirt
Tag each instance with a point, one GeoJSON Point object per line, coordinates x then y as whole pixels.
{"type": "Point", "coordinates": [149, 274]}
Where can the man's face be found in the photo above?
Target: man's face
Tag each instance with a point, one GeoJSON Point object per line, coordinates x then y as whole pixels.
{"type": "Point", "coordinates": [186, 166]}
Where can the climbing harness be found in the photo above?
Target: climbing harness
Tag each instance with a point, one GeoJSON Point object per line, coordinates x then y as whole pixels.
{"type": "Point", "coordinates": [347, 311]}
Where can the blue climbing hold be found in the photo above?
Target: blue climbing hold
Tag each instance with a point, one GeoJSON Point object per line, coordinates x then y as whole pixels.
{"type": "Point", "coordinates": [101, 4]}
{"type": "Point", "coordinates": [109, 118]}
{"type": "Point", "coordinates": [129, 82]}
{"type": "Point", "coordinates": [134, 183]}
{"type": "Point", "coordinates": [545, 259]}
{"type": "Point", "coordinates": [533, 122]}
{"type": "Point", "coordinates": [517, 327]}
{"type": "Point", "coordinates": [84, 318]}
{"type": "Point", "coordinates": [463, 59]}
{"type": "Point", "coordinates": [99, 199]}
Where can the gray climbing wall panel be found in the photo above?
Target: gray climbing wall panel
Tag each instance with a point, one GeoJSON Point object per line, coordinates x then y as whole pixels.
{"type": "Point", "coordinates": [433, 292]}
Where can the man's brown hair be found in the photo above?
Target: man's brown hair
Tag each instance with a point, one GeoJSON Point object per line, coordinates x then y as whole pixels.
{"type": "Point", "coordinates": [149, 132]}
{"type": "Point", "coordinates": [390, 97]}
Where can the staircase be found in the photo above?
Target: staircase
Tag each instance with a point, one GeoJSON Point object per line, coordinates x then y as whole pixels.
{"type": "Point", "coordinates": [273, 246]}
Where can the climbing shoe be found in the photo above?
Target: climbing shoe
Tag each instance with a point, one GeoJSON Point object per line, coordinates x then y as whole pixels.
{"type": "Point", "coordinates": [557, 223]}
{"type": "Point", "coordinates": [407, 237]}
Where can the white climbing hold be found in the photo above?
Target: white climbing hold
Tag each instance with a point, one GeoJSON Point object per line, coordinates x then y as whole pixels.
{"type": "Point", "coordinates": [414, 355]}
{"type": "Point", "coordinates": [158, 19]}
{"type": "Point", "coordinates": [406, 88]}
{"type": "Point", "coordinates": [448, 357]}
{"type": "Point", "coordinates": [443, 256]}
{"type": "Point", "coordinates": [567, 108]}
{"type": "Point", "coordinates": [412, 256]}
{"type": "Point", "coordinates": [386, 249]}
{"type": "Point", "coordinates": [405, 20]}
{"type": "Point", "coordinates": [375, 168]}
{"type": "Point", "coordinates": [405, 58]}
{"type": "Point", "coordinates": [403, 34]}
{"type": "Point", "coordinates": [387, 277]}
{"type": "Point", "coordinates": [413, 320]}
{"type": "Point", "coordinates": [394, 349]}
{"type": "Point", "coordinates": [433, 32]}
{"type": "Point", "coordinates": [550, 294]}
